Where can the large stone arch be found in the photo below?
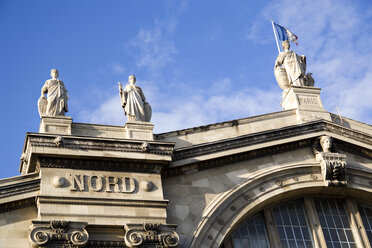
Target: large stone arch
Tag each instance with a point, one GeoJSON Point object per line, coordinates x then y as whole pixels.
{"type": "Point", "coordinates": [264, 188]}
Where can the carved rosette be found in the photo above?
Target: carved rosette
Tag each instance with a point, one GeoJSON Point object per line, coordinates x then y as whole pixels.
{"type": "Point", "coordinates": [58, 233]}
{"type": "Point", "coordinates": [151, 235]}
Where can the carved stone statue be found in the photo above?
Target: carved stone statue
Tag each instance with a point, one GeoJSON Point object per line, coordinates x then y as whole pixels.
{"type": "Point", "coordinates": [134, 102]}
{"type": "Point", "coordinates": [326, 143]}
{"type": "Point", "coordinates": [333, 163]}
{"type": "Point", "coordinates": [56, 102]}
{"type": "Point", "coordinates": [290, 69]}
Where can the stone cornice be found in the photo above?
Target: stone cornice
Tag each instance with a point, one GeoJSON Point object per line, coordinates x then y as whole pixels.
{"type": "Point", "coordinates": [14, 205]}
{"type": "Point", "coordinates": [272, 135]}
{"type": "Point", "coordinates": [63, 146]}
{"type": "Point", "coordinates": [19, 188]}
{"type": "Point", "coordinates": [312, 128]}
{"type": "Point", "coordinates": [94, 164]}
{"type": "Point", "coordinates": [235, 158]}
{"type": "Point", "coordinates": [102, 202]}
{"type": "Point", "coordinates": [99, 144]}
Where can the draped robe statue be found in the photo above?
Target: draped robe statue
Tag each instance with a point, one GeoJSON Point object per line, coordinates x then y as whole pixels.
{"type": "Point", "coordinates": [56, 102]}
{"type": "Point", "coordinates": [134, 102]}
{"type": "Point", "coordinates": [290, 69]}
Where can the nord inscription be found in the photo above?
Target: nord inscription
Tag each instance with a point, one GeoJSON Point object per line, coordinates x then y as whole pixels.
{"type": "Point", "coordinates": [109, 184]}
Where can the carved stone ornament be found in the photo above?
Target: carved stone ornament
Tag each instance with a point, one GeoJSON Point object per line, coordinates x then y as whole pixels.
{"type": "Point", "coordinates": [23, 158]}
{"type": "Point", "coordinates": [52, 234]}
{"type": "Point", "coordinates": [151, 235]}
{"type": "Point", "coordinates": [58, 141]}
{"type": "Point", "coordinates": [333, 163]}
{"type": "Point", "coordinates": [145, 147]}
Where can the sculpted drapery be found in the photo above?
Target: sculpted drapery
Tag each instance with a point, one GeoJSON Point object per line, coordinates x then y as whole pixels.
{"type": "Point", "coordinates": [294, 65]}
{"type": "Point", "coordinates": [290, 69]}
{"type": "Point", "coordinates": [134, 102]}
{"type": "Point", "coordinates": [56, 102]}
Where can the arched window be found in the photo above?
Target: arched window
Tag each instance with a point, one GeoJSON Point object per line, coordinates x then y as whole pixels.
{"type": "Point", "coordinates": [295, 224]}
{"type": "Point", "coordinates": [366, 215]}
{"type": "Point", "coordinates": [251, 234]}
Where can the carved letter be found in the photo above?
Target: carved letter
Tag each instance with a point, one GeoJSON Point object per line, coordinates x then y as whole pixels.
{"type": "Point", "coordinates": [112, 184]}
{"type": "Point", "coordinates": [78, 183]}
{"type": "Point", "coordinates": [129, 185]}
{"type": "Point", "coordinates": [95, 183]}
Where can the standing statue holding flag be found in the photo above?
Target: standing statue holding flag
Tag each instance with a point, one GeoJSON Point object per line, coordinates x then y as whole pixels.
{"type": "Point", "coordinates": [290, 68]}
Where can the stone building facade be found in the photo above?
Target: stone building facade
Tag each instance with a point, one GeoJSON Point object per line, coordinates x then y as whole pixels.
{"type": "Point", "coordinates": [301, 177]}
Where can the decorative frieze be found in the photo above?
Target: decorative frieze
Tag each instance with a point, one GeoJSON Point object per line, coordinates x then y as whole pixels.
{"type": "Point", "coordinates": [55, 234]}
{"type": "Point", "coordinates": [99, 144]}
{"type": "Point", "coordinates": [94, 164]}
{"type": "Point", "coordinates": [19, 188]}
{"type": "Point", "coordinates": [15, 205]}
{"type": "Point", "coordinates": [151, 235]}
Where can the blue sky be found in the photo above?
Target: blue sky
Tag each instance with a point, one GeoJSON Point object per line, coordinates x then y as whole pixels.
{"type": "Point", "coordinates": [198, 62]}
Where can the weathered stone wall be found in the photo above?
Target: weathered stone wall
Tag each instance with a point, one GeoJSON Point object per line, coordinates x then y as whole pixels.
{"type": "Point", "coordinates": [191, 194]}
{"type": "Point", "coordinates": [14, 227]}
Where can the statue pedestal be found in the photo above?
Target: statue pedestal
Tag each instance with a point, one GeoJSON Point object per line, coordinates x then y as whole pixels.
{"type": "Point", "coordinates": [55, 125]}
{"type": "Point", "coordinates": [306, 100]}
{"type": "Point", "coordinates": [139, 130]}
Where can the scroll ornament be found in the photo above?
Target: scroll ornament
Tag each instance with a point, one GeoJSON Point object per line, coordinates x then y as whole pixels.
{"type": "Point", "coordinates": [52, 234]}
{"type": "Point", "coordinates": [151, 235]}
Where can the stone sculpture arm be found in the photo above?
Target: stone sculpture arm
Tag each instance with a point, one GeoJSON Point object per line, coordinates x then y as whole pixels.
{"type": "Point", "coordinates": [280, 59]}
{"type": "Point", "coordinates": [123, 96]}
{"type": "Point", "coordinates": [44, 89]}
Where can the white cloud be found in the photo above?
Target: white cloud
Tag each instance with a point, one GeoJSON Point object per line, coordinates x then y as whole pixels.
{"type": "Point", "coordinates": [109, 112]}
{"type": "Point", "coordinates": [153, 48]}
{"type": "Point", "coordinates": [118, 69]}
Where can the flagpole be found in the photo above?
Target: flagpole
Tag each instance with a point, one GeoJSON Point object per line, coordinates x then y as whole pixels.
{"type": "Point", "coordinates": [276, 37]}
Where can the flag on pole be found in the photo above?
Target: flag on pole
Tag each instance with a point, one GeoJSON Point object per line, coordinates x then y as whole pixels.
{"type": "Point", "coordinates": [285, 34]}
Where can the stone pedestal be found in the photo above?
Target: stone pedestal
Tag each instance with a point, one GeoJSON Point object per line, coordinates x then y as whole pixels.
{"type": "Point", "coordinates": [55, 125]}
{"type": "Point", "coordinates": [306, 100]}
{"type": "Point", "coordinates": [139, 130]}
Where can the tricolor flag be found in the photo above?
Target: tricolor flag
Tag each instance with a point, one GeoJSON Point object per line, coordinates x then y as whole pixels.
{"type": "Point", "coordinates": [285, 34]}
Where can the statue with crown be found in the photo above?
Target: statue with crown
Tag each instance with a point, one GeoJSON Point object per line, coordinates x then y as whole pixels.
{"type": "Point", "coordinates": [290, 68]}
